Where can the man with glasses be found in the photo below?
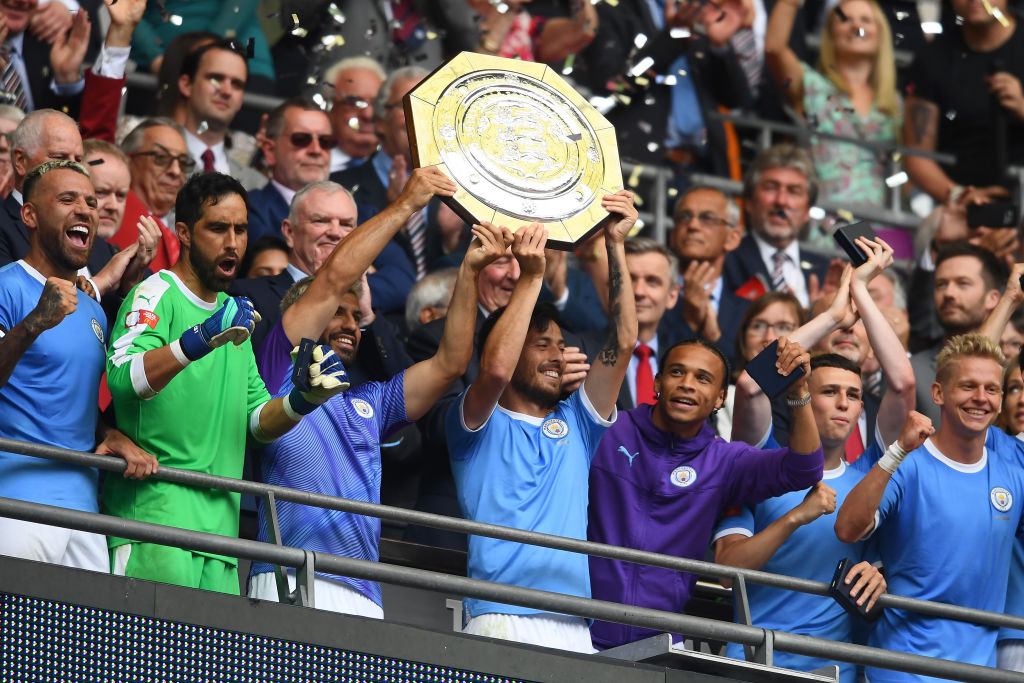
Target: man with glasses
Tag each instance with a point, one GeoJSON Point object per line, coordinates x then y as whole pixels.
{"type": "Point", "coordinates": [779, 189]}
{"type": "Point", "coordinates": [297, 149]}
{"type": "Point", "coordinates": [706, 229]}
{"type": "Point", "coordinates": [356, 82]}
{"type": "Point", "coordinates": [160, 163]}
{"type": "Point", "coordinates": [212, 84]}
{"type": "Point", "coordinates": [380, 180]}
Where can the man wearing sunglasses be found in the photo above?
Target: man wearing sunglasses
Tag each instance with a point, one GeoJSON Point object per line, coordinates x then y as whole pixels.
{"type": "Point", "coordinates": [212, 83]}
{"type": "Point", "coordinates": [297, 149]}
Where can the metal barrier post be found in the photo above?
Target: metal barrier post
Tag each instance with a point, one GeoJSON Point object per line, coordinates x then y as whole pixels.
{"type": "Point", "coordinates": [274, 532]}
{"type": "Point", "coordinates": [304, 593]}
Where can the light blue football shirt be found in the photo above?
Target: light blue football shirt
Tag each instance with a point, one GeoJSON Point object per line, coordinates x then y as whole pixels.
{"type": "Point", "coordinates": [52, 395]}
{"type": "Point", "coordinates": [811, 552]}
{"type": "Point", "coordinates": [529, 473]}
{"type": "Point", "coordinates": [946, 533]}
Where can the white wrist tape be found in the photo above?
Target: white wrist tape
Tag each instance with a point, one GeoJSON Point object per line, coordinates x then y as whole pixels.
{"type": "Point", "coordinates": [178, 354]}
{"type": "Point", "coordinates": [892, 457]}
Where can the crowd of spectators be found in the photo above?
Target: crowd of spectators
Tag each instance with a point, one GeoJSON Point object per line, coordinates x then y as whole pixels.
{"type": "Point", "coordinates": [163, 252]}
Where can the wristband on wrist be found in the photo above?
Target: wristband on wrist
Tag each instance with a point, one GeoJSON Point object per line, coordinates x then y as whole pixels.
{"type": "Point", "coordinates": [192, 343]}
{"type": "Point", "coordinates": [179, 354]}
{"type": "Point", "coordinates": [892, 458]}
{"type": "Point", "coordinates": [296, 405]}
{"type": "Point", "coordinates": [797, 402]}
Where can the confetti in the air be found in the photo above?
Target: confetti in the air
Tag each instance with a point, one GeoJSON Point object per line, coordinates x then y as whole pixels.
{"type": "Point", "coordinates": [96, 162]}
{"type": "Point", "coordinates": [840, 14]}
{"type": "Point", "coordinates": [897, 179]}
{"type": "Point", "coordinates": [202, 127]}
{"type": "Point", "coordinates": [634, 177]}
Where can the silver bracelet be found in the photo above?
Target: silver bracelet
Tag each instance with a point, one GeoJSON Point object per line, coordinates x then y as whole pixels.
{"type": "Point", "coordinates": [797, 402]}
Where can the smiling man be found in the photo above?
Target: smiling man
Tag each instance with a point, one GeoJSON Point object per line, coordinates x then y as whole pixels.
{"type": "Point", "coordinates": [967, 479]}
{"type": "Point", "coordinates": [512, 426]}
{"type": "Point", "coordinates": [779, 188]}
{"type": "Point", "coordinates": [661, 478]}
{"type": "Point", "coordinates": [51, 354]}
{"type": "Point", "coordinates": [297, 150]}
{"type": "Point", "coordinates": [191, 399]}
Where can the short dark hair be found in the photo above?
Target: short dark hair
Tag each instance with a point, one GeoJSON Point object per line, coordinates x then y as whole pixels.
{"type": "Point", "coordinates": [254, 249]}
{"type": "Point", "coordinates": [275, 121]}
{"type": "Point", "coordinates": [201, 189]}
{"type": "Point", "coordinates": [834, 360]}
{"type": "Point", "coordinates": [190, 65]}
{"type": "Point", "coordinates": [698, 341]}
{"type": "Point", "coordinates": [544, 313]}
{"type": "Point", "coordinates": [993, 273]}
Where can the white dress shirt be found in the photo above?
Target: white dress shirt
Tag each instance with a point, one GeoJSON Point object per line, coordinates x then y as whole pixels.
{"type": "Point", "coordinates": [791, 271]}
{"type": "Point", "coordinates": [634, 363]}
{"type": "Point", "coordinates": [196, 147]}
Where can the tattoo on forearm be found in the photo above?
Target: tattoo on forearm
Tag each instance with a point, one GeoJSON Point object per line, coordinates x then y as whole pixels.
{"type": "Point", "coordinates": [47, 312]}
{"type": "Point", "coordinates": [921, 122]}
{"type": "Point", "coordinates": [609, 355]}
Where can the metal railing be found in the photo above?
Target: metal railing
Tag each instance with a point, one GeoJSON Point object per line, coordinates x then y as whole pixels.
{"type": "Point", "coordinates": [762, 641]}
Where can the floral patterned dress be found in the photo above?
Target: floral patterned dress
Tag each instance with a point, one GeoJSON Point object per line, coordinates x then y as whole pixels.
{"type": "Point", "coordinates": [850, 175]}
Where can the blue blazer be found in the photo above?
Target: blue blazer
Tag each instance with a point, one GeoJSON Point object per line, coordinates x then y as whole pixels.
{"type": "Point", "coordinates": [267, 209]}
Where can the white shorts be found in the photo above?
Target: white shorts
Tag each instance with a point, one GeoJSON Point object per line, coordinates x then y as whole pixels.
{"type": "Point", "coordinates": [56, 545]}
{"type": "Point", "coordinates": [548, 630]}
{"type": "Point", "coordinates": [328, 594]}
{"type": "Point", "coordinates": [1010, 655]}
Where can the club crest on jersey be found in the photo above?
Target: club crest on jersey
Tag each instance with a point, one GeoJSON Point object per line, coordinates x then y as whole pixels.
{"type": "Point", "coordinates": [1001, 499]}
{"type": "Point", "coordinates": [141, 317]}
{"type": "Point", "coordinates": [97, 329]}
{"type": "Point", "coordinates": [555, 428]}
{"type": "Point", "coordinates": [363, 408]}
{"type": "Point", "coordinates": [683, 476]}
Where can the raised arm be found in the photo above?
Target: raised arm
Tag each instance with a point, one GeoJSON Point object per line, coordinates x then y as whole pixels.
{"type": "Point", "coordinates": [308, 316]}
{"type": "Point", "coordinates": [505, 342]}
{"type": "Point", "coordinates": [783, 63]}
{"type": "Point", "coordinates": [856, 517]}
{"type": "Point", "coordinates": [609, 369]}
{"type": "Point", "coordinates": [753, 552]}
{"type": "Point", "coordinates": [803, 436]}
{"type": "Point", "coordinates": [751, 402]}
{"type": "Point", "coordinates": [1011, 300]}
{"type": "Point", "coordinates": [899, 398]}
{"type": "Point", "coordinates": [426, 381]}
{"type": "Point", "coordinates": [58, 300]}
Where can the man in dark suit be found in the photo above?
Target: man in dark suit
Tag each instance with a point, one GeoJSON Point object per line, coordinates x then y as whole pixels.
{"type": "Point", "coordinates": [375, 183]}
{"type": "Point", "coordinates": [706, 231]}
{"type": "Point", "coordinates": [297, 149]}
{"type": "Point", "coordinates": [322, 215]}
{"type": "Point", "coordinates": [779, 189]}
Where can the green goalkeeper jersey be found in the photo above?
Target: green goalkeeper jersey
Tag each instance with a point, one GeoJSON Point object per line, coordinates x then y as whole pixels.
{"type": "Point", "coordinates": [200, 421]}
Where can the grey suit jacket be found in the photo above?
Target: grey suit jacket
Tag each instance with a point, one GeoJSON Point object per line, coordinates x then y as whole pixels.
{"type": "Point", "coordinates": [923, 363]}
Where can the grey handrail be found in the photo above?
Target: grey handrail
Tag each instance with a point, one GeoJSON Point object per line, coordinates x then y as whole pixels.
{"type": "Point", "coordinates": [503, 593]}
{"type": "Point", "coordinates": [115, 464]}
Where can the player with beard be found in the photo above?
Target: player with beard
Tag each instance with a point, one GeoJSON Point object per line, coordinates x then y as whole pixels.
{"type": "Point", "coordinates": [967, 281]}
{"type": "Point", "coordinates": [520, 456]}
{"type": "Point", "coordinates": [346, 434]}
{"type": "Point", "coordinates": [49, 330]}
{"type": "Point", "coordinates": [181, 393]}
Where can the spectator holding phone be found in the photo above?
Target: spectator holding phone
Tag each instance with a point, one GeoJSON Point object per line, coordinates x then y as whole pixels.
{"type": "Point", "coordinates": [964, 86]}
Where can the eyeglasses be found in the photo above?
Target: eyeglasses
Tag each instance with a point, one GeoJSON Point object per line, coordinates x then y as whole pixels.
{"type": "Point", "coordinates": [705, 218]}
{"type": "Point", "coordinates": [164, 160]}
{"type": "Point", "coordinates": [759, 327]}
{"type": "Point", "coordinates": [301, 140]}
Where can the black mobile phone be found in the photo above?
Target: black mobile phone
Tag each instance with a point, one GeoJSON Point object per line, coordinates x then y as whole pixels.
{"type": "Point", "coordinates": [992, 215]}
{"type": "Point", "coordinates": [300, 368]}
{"type": "Point", "coordinates": [840, 592]}
{"type": "Point", "coordinates": [763, 371]}
{"type": "Point", "coordinates": [846, 237]}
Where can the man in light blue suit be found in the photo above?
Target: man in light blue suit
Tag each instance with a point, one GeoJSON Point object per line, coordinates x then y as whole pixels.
{"type": "Point", "coordinates": [298, 151]}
